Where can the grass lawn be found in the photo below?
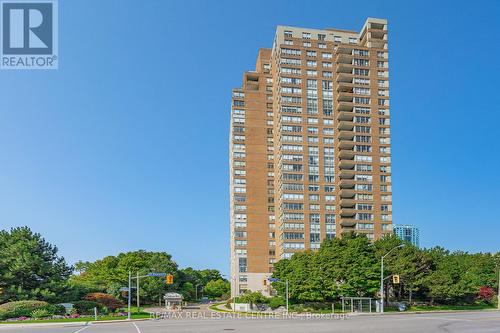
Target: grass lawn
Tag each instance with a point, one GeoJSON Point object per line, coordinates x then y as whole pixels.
{"type": "Point", "coordinates": [81, 319]}
{"type": "Point", "coordinates": [338, 310]}
{"type": "Point", "coordinates": [452, 307]}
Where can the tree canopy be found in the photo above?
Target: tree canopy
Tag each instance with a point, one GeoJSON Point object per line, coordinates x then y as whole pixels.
{"type": "Point", "coordinates": [111, 273]}
{"type": "Point", "coordinates": [350, 266]}
{"type": "Point", "coordinates": [30, 267]}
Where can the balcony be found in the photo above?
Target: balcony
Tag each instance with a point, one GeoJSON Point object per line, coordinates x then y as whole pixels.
{"type": "Point", "coordinates": [345, 125]}
{"type": "Point", "coordinates": [344, 77]}
{"type": "Point", "coordinates": [343, 58]}
{"type": "Point", "coordinates": [380, 34]}
{"type": "Point", "coordinates": [346, 143]}
{"type": "Point", "coordinates": [345, 49]}
{"type": "Point", "coordinates": [347, 203]}
{"type": "Point", "coordinates": [346, 96]}
{"type": "Point", "coordinates": [347, 193]}
{"type": "Point", "coordinates": [345, 115]}
{"type": "Point", "coordinates": [346, 153]}
{"type": "Point", "coordinates": [344, 68]}
{"type": "Point", "coordinates": [345, 106]}
{"type": "Point", "coordinates": [346, 174]}
{"type": "Point", "coordinates": [346, 164]}
{"type": "Point", "coordinates": [348, 213]}
{"type": "Point", "coordinates": [346, 134]}
{"type": "Point", "coordinates": [347, 184]}
{"type": "Point", "coordinates": [345, 87]}
{"type": "Point", "coordinates": [348, 223]}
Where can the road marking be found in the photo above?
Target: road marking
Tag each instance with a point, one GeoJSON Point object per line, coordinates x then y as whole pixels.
{"type": "Point", "coordinates": [441, 318]}
{"type": "Point", "coordinates": [137, 328]}
{"type": "Point", "coordinates": [83, 328]}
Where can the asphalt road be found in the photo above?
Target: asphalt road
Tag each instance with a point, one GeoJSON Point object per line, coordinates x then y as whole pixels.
{"type": "Point", "coordinates": [476, 322]}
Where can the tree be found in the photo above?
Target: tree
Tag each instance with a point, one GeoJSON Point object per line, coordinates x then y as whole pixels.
{"type": "Point", "coordinates": [486, 294]}
{"type": "Point", "coordinates": [348, 267]}
{"type": "Point", "coordinates": [457, 277]}
{"type": "Point", "coordinates": [276, 302]}
{"type": "Point", "coordinates": [217, 288]}
{"type": "Point", "coordinates": [252, 298]}
{"type": "Point", "coordinates": [30, 267]}
{"type": "Point", "coordinates": [110, 302]}
{"type": "Point", "coordinates": [409, 262]}
{"type": "Point", "coordinates": [342, 267]}
{"type": "Point", "coordinates": [208, 275]}
{"type": "Point", "coordinates": [187, 290]}
{"type": "Point", "coordinates": [195, 279]}
{"type": "Point", "coordinates": [302, 274]}
{"type": "Point", "coordinates": [111, 273]}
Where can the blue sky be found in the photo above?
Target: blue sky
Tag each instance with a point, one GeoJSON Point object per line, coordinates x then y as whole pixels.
{"type": "Point", "coordinates": [125, 146]}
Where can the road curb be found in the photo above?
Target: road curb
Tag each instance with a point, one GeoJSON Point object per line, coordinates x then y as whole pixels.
{"type": "Point", "coordinates": [81, 323]}
{"type": "Point", "coordinates": [424, 312]}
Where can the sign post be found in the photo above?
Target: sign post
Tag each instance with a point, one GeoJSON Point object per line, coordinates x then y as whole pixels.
{"type": "Point", "coordinates": [138, 277]}
{"type": "Point", "coordinates": [286, 289]}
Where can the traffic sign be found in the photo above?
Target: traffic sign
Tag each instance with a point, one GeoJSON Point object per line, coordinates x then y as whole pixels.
{"type": "Point", "coordinates": [273, 279]}
{"type": "Point", "coordinates": [157, 274]}
{"type": "Point", "coordinates": [123, 289]}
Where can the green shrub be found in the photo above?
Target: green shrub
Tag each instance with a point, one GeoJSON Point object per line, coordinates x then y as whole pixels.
{"type": "Point", "coordinates": [40, 313]}
{"type": "Point", "coordinates": [87, 307]}
{"type": "Point", "coordinates": [276, 302]}
{"type": "Point", "coordinates": [318, 305]}
{"type": "Point", "coordinates": [106, 300]}
{"type": "Point", "coordinates": [55, 309]}
{"type": "Point", "coordinates": [20, 308]}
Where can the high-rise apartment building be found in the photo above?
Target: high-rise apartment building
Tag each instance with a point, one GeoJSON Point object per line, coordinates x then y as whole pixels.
{"type": "Point", "coordinates": [310, 154]}
{"type": "Point", "coordinates": [408, 233]}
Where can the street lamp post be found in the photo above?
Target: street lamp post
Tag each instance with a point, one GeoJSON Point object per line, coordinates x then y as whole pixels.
{"type": "Point", "coordinates": [233, 287]}
{"type": "Point", "coordinates": [137, 287]}
{"type": "Point", "coordinates": [382, 277]}
{"type": "Point", "coordinates": [286, 289]}
{"type": "Point", "coordinates": [235, 293]}
{"type": "Point", "coordinates": [138, 300]}
{"type": "Point", "coordinates": [498, 300]}
{"type": "Point", "coordinates": [196, 290]}
{"type": "Point", "coordinates": [129, 293]}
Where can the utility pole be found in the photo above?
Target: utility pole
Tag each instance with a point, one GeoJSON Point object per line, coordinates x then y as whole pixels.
{"type": "Point", "coordinates": [498, 300]}
{"type": "Point", "coordinates": [234, 298]}
{"type": "Point", "coordinates": [129, 293]}
{"type": "Point", "coordinates": [382, 276]}
{"type": "Point", "coordinates": [138, 302]}
{"type": "Point", "coordinates": [286, 290]}
{"type": "Point", "coordinates": [382, 285]}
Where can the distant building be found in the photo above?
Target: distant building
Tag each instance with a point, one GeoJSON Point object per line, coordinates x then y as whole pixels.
{"type": "Point", "coordinates": [173, 301]}
{"type": "Point", "coordinates": [408, 233]}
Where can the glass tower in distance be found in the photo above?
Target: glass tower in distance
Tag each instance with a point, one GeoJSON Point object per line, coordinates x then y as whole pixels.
{"type": "Point", "coordinates": [408, 233]}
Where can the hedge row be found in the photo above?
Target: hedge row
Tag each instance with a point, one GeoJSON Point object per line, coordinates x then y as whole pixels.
{"type": "Point", "coordinates": [26, 308]}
